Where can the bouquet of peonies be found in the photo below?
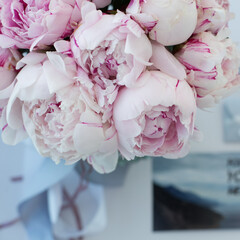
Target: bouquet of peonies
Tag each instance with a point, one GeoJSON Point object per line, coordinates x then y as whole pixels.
{"type": "Point", "coordinates": [89, 79]}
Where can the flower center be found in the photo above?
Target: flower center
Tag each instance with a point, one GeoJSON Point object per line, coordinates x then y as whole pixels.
{"type": "Point", "coordinates": [108, 61]}
{"type": "Point", "coordinates": [156, 126]}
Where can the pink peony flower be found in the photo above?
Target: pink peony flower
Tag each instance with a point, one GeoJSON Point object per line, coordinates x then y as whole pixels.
{"type": "Point", "coordinates": [8, 72]}
{"type": "Point", "coordinates": [35, 24]}
{"type": "Point", "coordinates": [112, 49]}
{"type": "Point", "coordinates": [169, 22]}
{"type": "Point", "coordinates": [213, 15]}
{"type": "Point", "coordinates": [156, 119]}
{"type": "Point", "coordinates": [101, 3]}
{"type": "Point", "coordinates": [212, 64]}
{"type": "Point", "coordinates": [62, 120]}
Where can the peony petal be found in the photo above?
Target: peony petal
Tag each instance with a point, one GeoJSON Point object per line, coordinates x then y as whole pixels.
{"type": "Point", "coordinates": [101, 3]}
{"type": "Point", "coordinates": [13, 137]}
{"type": "Point", "coordinates": [83, 135]}
{"type": "Point", "coordinates": [140, 48]}
{"type": "Point", "coordinates": [105, 163]}
{"type": "Point", "coordinates": [32, 58]}
{"type": "Point", "coordinates": [166, 62]}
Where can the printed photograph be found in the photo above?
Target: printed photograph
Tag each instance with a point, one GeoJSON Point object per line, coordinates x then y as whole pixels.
{"type": "Point", "coordinates": [200, 191]}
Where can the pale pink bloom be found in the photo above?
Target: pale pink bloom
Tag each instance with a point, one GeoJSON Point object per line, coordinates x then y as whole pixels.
{"type": "Point", "coordinates": [8, 72]}
{"type": "Point", "coordinates": [156, 119]}
{"type": "Point", "coordinates": [213, 15]}
{"type": "Point", "coordinates": [212, 64]}
{"type": "Point", "coordinates": [35, 24]}
{"type": "Point", "coordinates": [112, 49]}
{"type": "Point", "coordinates": [49, 104]}
{"type": "Point", "coordinates": [169, 22]}
{"type": "Point", "coordinates": [101, 3]}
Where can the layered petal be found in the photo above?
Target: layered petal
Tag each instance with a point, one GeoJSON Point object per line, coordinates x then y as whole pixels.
{"type": "Point", "coordinates": [49, 105]}
{"type": "Point", "coordinates": [8, 72]}
{"type": "Point", "coordinates": [156, 119]}
{"type": "Point", "coordinates": [213, 15]}
{"type": "Point", "coordinates": [212, 64]}
{"type": "Point", "coordinates": [36, 24]}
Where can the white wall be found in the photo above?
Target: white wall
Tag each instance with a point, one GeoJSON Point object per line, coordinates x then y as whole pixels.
{"type": "Point", "coordinates": [235, 23]}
